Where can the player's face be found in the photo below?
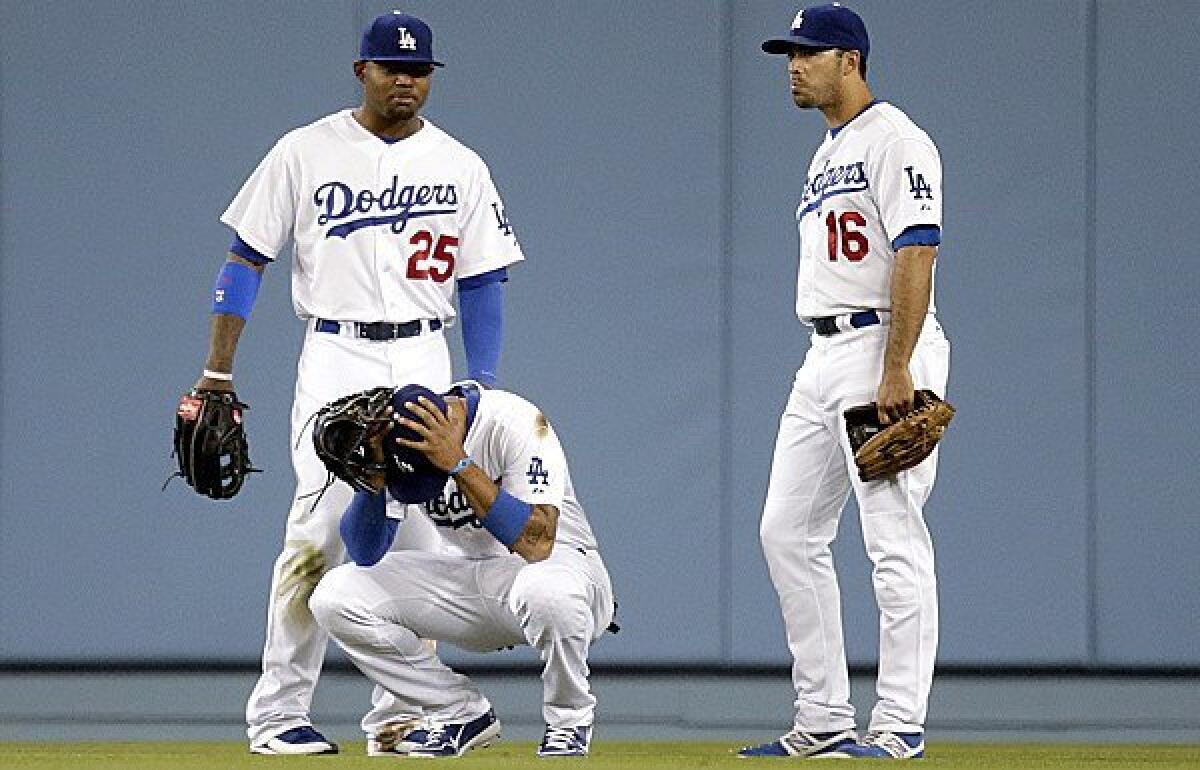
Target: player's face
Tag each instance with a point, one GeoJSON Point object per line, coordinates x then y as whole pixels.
{"type": "Point", "coordinates": [395, 91]}
{"type": "Point", "coordinates": [816, 76]}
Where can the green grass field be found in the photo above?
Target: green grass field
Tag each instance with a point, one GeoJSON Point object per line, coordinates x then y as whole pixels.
{"type": "Point", "coordinates": [648, 755]}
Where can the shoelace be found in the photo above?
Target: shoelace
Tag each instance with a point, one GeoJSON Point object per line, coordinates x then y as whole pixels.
{"type": "Point", "coordinates": [437, 734]}
{"type": "Point", "coordinates": [800, 739]}
{"type": "Point", "coordinates": [889, 742]}
{"type": "Point", "coordinates": [561, 738]}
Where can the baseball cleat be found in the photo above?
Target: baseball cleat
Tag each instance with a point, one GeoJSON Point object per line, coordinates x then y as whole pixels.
{"type": "Point", "coordinates": [566, 741]}
{"type": "Point", "coordinates": [296, 742]}
{"type": "Point", "coordinates": [454, 740]}
{"type": "Point", "coordinates": [888, 745]}
{"type": "Point", "coordinates": [798, 743]}
{"type": "Point", "coordinates": [397, 739]}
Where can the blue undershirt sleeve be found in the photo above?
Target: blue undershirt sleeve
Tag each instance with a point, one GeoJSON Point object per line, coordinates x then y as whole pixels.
{"type": "Point", "coordinates": [918, 235]}
{"type": "Point", "coordinates": [248, 252]}
{"type": "Point", "coordinates": [481, 305]}
{"type": "Point", "coordinates": [366, 530]}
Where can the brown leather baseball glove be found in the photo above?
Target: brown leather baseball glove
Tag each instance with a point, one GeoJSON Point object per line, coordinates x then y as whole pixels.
{"type": "Point", "coordinates": [884, 450]}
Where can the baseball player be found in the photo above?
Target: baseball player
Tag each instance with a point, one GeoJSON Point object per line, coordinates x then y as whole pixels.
{"type": "Point", "coordinates": [870, 222]}
{"type": "Point", "coordinates": [385, 215]}
{"type": "Point", "coordinates": [518, 565]}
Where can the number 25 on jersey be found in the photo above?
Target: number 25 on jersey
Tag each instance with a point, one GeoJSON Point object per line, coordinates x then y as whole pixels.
{"type": "Point", "coordinates": [431, 262]}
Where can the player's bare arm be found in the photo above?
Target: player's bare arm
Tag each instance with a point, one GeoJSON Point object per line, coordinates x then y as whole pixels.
{"type": "Point", "coordinates": [225, 330]}
{"type": "Point", "coordinates": [912, 282]}
{"type": "Point", "coordinates": [442, 442]}
{"type": "Point", "coordinates": [537, 538]}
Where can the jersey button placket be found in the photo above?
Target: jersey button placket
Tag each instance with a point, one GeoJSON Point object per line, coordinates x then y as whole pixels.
{"type": "Point", "coordinates": [389, 251]}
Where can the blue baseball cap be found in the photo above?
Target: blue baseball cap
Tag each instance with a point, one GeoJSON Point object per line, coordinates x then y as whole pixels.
{"type": "Point", "coordinates": [411, 478]}
{"type": "Point", "coordinates": [398, 36]}
{"type": "Point", "coordinates": [823, 26]}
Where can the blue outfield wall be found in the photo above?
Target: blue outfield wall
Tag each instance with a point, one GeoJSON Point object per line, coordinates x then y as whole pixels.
{"type": "Point", "coordinates": [650, 158]}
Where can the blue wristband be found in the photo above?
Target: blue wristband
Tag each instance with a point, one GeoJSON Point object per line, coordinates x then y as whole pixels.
{"type": "Point", "coordinates": [507, 517]}
{"type": "Point", "coordinates": [460, 466]}
{"type": "Point", "coordinates": [236, 289]}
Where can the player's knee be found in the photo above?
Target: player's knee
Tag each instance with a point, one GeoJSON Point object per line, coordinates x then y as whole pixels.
{"type": "Point", "coordinates": [775, 532]}
{"type": "Point", "coordinates": [547, 604]}
{"type": "Point", "coordinates": [535, 598]}
{"type": "Point", "coordinates": [329, 601]}
{"type": "Point", "coordinates": [897, 584]}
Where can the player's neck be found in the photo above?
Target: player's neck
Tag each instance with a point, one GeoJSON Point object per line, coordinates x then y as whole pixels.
{"type": "Point", "coordinates": [853, 101]}
{"type": "Point", "coordinates": [376, 124]}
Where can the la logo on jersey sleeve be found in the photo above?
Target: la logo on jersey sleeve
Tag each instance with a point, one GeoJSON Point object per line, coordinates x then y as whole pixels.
{"type": "Point", "coordinates": [917, 184]}
{"type": "Point", "coordinates": [501, 219]}
{"type": "Point", "coordinates": [538, 475]}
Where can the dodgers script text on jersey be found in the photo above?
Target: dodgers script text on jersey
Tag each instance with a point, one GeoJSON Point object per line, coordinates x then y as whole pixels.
{"type": "Point", "coordinates": [338, 201]}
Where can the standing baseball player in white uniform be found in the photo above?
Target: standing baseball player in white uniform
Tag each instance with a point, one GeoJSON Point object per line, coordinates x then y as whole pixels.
{"type": "Point", "coordinates": [518, 564]}
{"type": "Point", "coordinates": [385, 215]}
{"type": "Point", "coordinates": [870, 222]}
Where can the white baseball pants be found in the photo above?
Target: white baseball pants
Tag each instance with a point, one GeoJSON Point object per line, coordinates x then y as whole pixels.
{"type": "Point", "coordinates": [331, 366]}
{"type": "Point", "coordinates": [380, 615]}
{"type": "Point", "coordinates": [812, 474]}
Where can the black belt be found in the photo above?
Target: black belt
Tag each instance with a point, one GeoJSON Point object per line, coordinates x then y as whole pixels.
{"type": "Point", "coordinates": [379, 330]}
{"type": "Point", "coordinates": [827, 326]}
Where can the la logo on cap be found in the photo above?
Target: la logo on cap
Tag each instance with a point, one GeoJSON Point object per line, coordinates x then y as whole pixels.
{"type": "Point", "coordinates": [406, 41]}
{"type": "Point", "coordinates": [796, 22]}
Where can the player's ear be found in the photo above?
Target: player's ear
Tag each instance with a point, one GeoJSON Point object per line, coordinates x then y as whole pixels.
{"type": "Point", "coordinates": [359, 68]}
{"type": "Point", "coordinates": [856, 63]}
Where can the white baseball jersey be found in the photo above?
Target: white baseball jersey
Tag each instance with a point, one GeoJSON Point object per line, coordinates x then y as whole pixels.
{"type": "Point", "coordinates": [379, 230]}
{"type": "Point", "coordinates": [869, 181]}
{"type": "Point", "coordinates": [511, 441]}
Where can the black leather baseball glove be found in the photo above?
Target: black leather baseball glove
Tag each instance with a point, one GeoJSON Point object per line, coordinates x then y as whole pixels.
{"type": "Point", "coordinates": [210, 443]}
{"type": "Point", "coordinates": [340, 435]}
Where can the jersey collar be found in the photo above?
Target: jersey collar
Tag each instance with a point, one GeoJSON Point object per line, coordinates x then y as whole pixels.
{"type": "Point", "coordinates": [358, 132]}
{"type": "Point", "coordinates": [833, 132]}
{"type": "Point", "coordinates": [469, 390]}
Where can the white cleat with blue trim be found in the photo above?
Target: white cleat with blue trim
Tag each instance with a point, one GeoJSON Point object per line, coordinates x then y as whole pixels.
{"type": "Point", "coordinates": [889, 745]}
{"type": "Point", "coordinates": [797, 743]}
{"type": "Point", "coordinates": [299, 741]}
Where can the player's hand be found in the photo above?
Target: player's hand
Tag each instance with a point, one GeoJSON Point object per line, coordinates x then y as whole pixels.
{"type": "Point", "coordinates": [441, 434]}
{"type": "Point", "coordinates": [895, 396]}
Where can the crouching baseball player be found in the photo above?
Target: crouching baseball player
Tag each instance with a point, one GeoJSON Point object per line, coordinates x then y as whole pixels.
{"type": "Point", "coordinates": [519, 563]}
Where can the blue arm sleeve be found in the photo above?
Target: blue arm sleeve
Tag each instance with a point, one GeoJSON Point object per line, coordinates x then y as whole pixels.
{"type": "Point", "coordinates": [366, 531]}
{"type": "Point", "coordinates": [481, 304]}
